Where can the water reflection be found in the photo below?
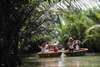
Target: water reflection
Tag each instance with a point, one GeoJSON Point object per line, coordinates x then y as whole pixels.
{"type": "Point", "coordinates": [63, 61]}
{"type": "Point", "coordinates": [49, 63]}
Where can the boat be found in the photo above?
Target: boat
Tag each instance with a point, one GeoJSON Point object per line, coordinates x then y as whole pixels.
{"type": "Point", "coordinates": [81, 52]}
{"type": "Point", "coordinates": [49, 54]}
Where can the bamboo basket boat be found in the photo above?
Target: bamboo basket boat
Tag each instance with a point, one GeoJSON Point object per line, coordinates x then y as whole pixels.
{"type": "Point", "coordinates": [81, 52]}
{"type": "Point", "coordinates": [49, 54]}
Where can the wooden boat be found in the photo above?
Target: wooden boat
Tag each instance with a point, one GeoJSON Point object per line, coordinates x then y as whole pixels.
{"type": "Point", "coordinates": [81, 52]}
{"type": "Point", "coordinates": [49, 54]}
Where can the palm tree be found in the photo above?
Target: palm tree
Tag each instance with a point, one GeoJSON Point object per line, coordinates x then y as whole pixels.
{"type": "Point", "coordinates": [73, 23]}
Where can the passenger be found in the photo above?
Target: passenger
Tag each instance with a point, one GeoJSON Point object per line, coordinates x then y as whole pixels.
{"type": "Point", "coordinates": [77, 45]}
{"type": "Point", "coordinates": [44, 47]}
{"type": "Point", "coordinates": [70, 44]}
{"type": "Point", "coordinates": [51, 48]}
{"type": "Point", "coordinates": [55, 49]}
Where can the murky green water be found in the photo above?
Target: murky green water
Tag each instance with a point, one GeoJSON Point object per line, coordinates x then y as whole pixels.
{"type": "Point", "coordinates": [63, 61]}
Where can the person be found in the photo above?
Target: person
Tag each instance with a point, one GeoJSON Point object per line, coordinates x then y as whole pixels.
{"type": "Point", "coordinates": [77, 45]}
{"type": "Point", "coordinates": [70, 44]}
{"type": "Point", "coordinates": [55, 49]}
{"type": "Point", "coordinates": [44, 47]}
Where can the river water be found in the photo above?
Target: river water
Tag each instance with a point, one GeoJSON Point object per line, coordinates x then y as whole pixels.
{"type": "Point", "coordinates": [63, 61]}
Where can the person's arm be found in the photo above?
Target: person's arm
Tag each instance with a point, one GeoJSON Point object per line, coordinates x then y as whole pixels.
{"type": "Point", "coordinates": [79, 42]}
{"type": "Point", "coordinates": [40, 47]}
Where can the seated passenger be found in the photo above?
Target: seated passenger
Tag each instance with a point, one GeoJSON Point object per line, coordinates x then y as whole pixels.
{"type": "Point", "coordinates": [77, 45]}
{"type": "Point", "coordinates": [55, 49]}
{"type": "Point", "coordinates": [44, 47]}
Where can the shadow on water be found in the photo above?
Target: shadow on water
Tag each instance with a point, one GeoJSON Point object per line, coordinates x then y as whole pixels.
{"type": "Point", "coordinates": [90, 60]}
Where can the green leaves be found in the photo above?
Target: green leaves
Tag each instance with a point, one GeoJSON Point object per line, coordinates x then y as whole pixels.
{"type": "Point", "coordinates": [93, 31]}
{"type": "Point", "coordinates": [73, 24]}
{"type": "Point", "coordinates": [68, 22]}
{"type": "Point", "coordinates": [93, 37]}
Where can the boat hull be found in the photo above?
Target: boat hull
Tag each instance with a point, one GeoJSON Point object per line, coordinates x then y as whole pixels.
{"type": "Point", "coordinates": [52, 54]}
{"type": "Point", "coordinates": [81, 52]}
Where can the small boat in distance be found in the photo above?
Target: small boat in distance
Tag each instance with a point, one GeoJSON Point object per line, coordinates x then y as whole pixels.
{"type": "Point", "coordinates": [49, 50]}
{"type": "Point", "coordinates": [49, 54]}
{"type": "Point", "coordinates": [81, 52]}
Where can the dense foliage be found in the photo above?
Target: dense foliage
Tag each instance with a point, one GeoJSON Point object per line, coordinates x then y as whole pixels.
{"type": "Point", "coordinates": [13, 15]}
{"type": "Point", "coordinates": [92, 39]}
{"type": "Point", "coordinates": [58, 25]}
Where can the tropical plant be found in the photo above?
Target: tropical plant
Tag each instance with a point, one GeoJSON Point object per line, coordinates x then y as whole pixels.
{"type": "Point", "coordinates": [95, 15]}
{"type": "Point", "coordinates": [73, 24]}
{"type": "Point", "coordinates": [92, 39]}
{"type": "Point", "coordinates": [39, 18]}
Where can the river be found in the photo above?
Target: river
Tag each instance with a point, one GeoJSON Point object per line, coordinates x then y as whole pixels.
{"type": "Point", "coordinates": [89, 60]}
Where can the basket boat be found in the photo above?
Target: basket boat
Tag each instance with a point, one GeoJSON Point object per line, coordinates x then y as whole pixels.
{"type": "Point", "coordinates": [49, 54]}
{"type": "Point", "coordinates": [81, 52]}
